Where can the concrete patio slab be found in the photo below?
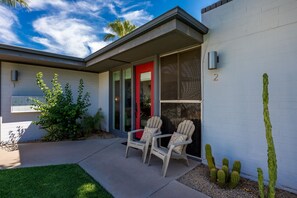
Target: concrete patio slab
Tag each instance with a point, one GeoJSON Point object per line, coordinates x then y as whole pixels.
{"type": "Point", "coordinates": [130, 177]}
{"type": "Point", "coordinates": [104, 160]}
{"type": "Point", "coordinates": [52, 153]}
{"type": "Point", "coordinates": [176, 189]}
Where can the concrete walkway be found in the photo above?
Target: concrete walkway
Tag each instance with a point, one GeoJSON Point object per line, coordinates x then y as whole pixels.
{"type": "Point", "coordinates": [104, 160]}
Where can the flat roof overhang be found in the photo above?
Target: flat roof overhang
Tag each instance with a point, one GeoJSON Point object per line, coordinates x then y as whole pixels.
{"type": "Point", "coordinates": [173, 30]}
{"type": "Point", "coordinates": [28, 56]}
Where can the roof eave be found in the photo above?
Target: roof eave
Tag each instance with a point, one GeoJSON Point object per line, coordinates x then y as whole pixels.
{"type": "Point", "coordinates": [175, 13]}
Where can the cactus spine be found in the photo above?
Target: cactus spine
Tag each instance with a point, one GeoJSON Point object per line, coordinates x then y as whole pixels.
{"type": "Point", "coordinates": [272, 162]}
{"type": "Point", "coordinates": [209, 157]}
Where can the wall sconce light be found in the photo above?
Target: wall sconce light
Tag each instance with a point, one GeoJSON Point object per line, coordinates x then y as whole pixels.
{"type": "Point", "coordinates": [213, 59]}
{"type": "Point", "coordinates": [14, 75]}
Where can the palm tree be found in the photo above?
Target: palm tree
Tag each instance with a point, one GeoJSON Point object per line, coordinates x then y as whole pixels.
{"type": "Point", "coordinates": [13, 3]}
{"type": "Point", "coordinates": [119, 29]}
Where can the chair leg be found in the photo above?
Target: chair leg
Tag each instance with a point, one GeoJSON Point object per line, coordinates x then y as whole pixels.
{"type": "Point", "coordinates": [144, 155]}
{"type": "Point", "coordinates": [187, 161]}
{"type": "Point", "coordinates": [127, 150]}
{"type": "Point", "coordinates": [165, 166]}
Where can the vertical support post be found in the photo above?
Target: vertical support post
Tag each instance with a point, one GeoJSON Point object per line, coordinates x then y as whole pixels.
{"type": "Point", "coordinates": [157, 85]}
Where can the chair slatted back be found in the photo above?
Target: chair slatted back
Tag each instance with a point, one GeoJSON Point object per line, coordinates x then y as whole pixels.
{"type": "Point", "coordinates": [154, 122]}
{"type": "Point", "coordinates": [186, 127]}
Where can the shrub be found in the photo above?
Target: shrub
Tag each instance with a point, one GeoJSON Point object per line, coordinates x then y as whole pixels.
{"type": "Point", "coordinates": [59, 115]}
{"type": "Point", "coordinates": [92, 124]}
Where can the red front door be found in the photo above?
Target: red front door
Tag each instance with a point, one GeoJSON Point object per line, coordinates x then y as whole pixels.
{"type": "Point", "coordinates": [144, 84]}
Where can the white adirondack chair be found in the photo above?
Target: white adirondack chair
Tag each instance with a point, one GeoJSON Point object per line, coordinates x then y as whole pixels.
{"type": "Point", "coordinates": [187, 128]}
{"type": "Point", "coordinates": [153, 122]}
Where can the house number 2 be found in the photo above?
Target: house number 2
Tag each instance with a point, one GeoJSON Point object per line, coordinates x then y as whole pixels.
{"type": "Point", "coordinates": [216, 77]}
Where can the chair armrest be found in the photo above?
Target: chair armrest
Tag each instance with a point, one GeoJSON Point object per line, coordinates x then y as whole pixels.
{"type": "Point", "coordinates": [162, 136]}
{"type": "Point", "coordinates": [130, 134]}
{"type": "Point", "coordinates": [135, 131]}
{"type": "Point", "coordinates": [157, 134]}
{"type": "Point", "coordinates": [181, 143]}
{"type": "Point", "coordinates": [158, 137]}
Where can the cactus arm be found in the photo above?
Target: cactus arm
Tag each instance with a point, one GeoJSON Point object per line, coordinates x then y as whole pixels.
{"type": "Point", "coordinates": [272, 162]}
{"type": "Point", "coordinates": [260, 183]}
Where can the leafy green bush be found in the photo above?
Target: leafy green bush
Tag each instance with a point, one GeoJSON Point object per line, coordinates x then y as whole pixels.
{"type": "Point", "coordinates": [92, 124]}
{"type": "Point", "coordinates": [59, 115]}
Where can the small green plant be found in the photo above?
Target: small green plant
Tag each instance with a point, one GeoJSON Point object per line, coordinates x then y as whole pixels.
{"type": "Point", "coordinates": [213, 175]}
{"type": "Point", "coordinates": [91, 124]}
{"type": "Point", "coordinates": [236, 166]}
{"type": "Point", "coordinates": [59, 114]}
{"type": "Point", "coordinates": [272, 162]}
{"type": "Point", "coordinates": [226, 171]}
{"type": "Point", "coordinates": [222, 177]}
{"type": "Point", "coordinates": [226, 162]}
{"type": "Point", "coordinates": [231, 179]}
{"type": "Point", "coordinates": [234, 179]}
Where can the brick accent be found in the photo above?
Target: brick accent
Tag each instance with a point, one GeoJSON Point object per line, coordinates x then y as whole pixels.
{"type": "Point", "coordinates": [214, 6]}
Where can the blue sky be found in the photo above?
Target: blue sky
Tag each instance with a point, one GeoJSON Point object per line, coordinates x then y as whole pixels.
{"type": "Point", "coordinates": [76, 27]}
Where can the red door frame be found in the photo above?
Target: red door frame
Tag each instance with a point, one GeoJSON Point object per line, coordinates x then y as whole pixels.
{"type": "Point", "coordinates": [142, 68]}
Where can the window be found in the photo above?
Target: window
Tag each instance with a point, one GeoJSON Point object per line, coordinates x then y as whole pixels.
{"type": "Point", "coordinates": [181, 94]}
{"type": "Point", "coordinates": [127, 99]}
{"type": "Point", "coordinates": [122, 99]}
{"type": "Point", "coordinates": [116, 93]}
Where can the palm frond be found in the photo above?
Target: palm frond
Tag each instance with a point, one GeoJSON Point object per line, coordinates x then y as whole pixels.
{"type": "Point", "coordinates": [109, 37]}
{"type": "Point", "coordinates": [14, 3]}
{"type": "Point", "coordinates": [120, 29]}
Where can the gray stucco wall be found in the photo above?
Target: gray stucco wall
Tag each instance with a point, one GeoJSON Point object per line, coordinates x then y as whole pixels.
{"type": "Point", "coordinates": [104, 99]}
{"type": "Point", "coordinates": [252, 37]}
{"type": "Point", "coordinates": [26, 86]}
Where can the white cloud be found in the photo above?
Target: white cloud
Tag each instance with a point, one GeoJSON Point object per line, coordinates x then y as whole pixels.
{"type": "Point", "coordinates": [66, 35]}
{"type": "Point", "coordinates": [141, 4]}
{"type": "Point", "coordinates": [95, 46]}
{"type": "Point", "coordinates": [138, 17]}
{"type": "Point", "coordinates": [73, 27]}
{"type": "Point", "coordinates": [112, 9]}
{"type": "Point", "coordinates": [7, 20]}
{"type": "Point", "coordinates": [43, 4]}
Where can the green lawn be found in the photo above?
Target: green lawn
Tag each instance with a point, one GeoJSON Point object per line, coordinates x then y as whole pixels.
{"type": "Point", "coordinates": [49, 181]}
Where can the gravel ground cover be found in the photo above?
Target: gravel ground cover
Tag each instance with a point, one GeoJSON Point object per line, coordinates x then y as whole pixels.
{"type": "Point", "coordinates": [198, 179]}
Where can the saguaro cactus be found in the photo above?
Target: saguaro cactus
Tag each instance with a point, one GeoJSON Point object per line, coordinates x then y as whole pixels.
{"type": "Point", "coordinates": [272, 162]}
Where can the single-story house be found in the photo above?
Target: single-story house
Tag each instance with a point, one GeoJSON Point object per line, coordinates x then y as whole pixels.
{"type": "Point", "coordinates": [169, 67]}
